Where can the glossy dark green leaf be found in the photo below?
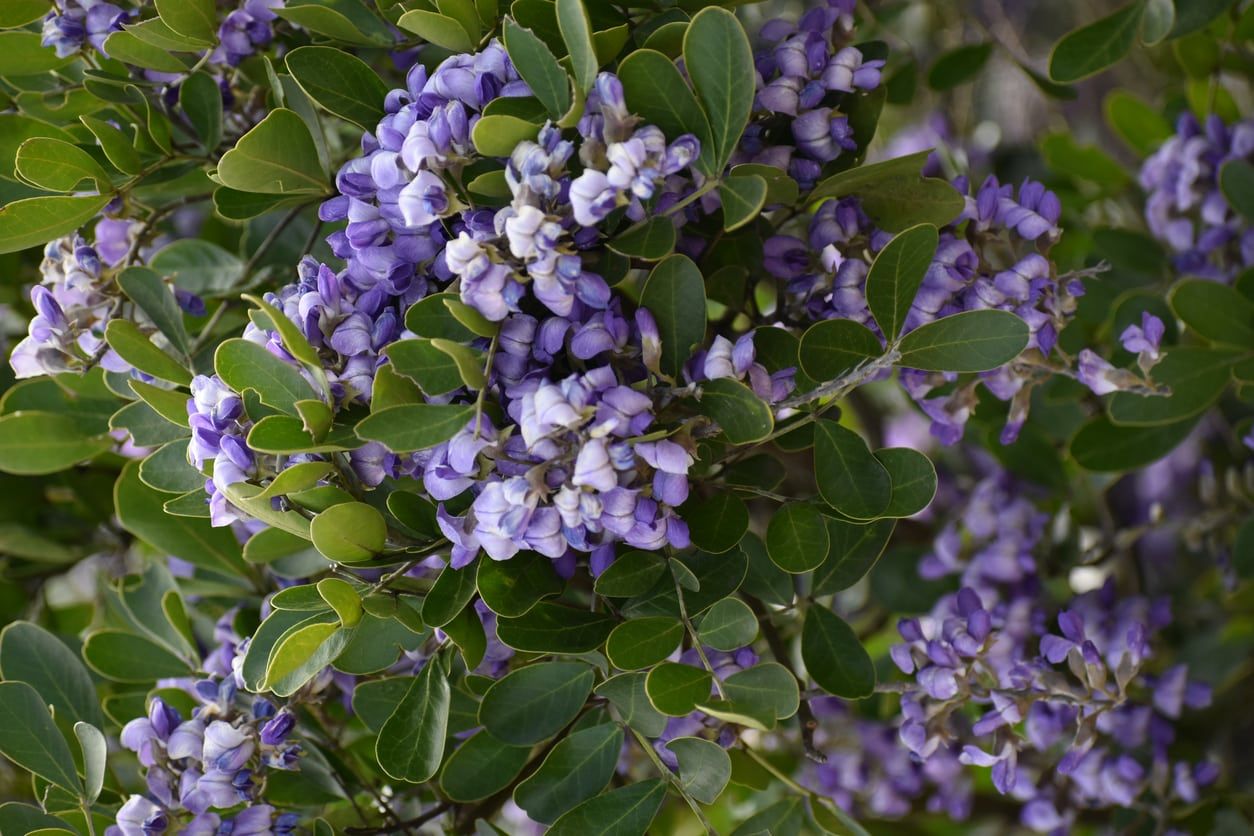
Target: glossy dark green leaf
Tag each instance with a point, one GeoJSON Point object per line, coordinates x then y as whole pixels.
{"type": "Point", "coordinates": [742, 198]}
{"type": "Point", "coordinates": [512, 587]}
{"type": "Point", "coordinates": [31, 654]}
{"type": "Point", "coordinates": [728, 625]}
{"type": "Point", "coordinates": [850, 478]}
{"type": "Point", "coordinates": [450, 594]}
{"type": "Point", "coordinates": [419, 360]}
{"type": "Point", "coordinates": [127, 657]}
{"type": "Point", "coordinates": [349, 532]}
{"type": "Point", "coordinates": [412, 427]}
{"type": "Point", "coordinates": [128, 48]}
{"type": "Point", "coordinates": [720, 63]}
{"type": "Point", "coordinates": [655, 89]}
{"type": "Point", "coordinates": [626, 811]}
{"type": "Point", "coordinates": [37, 220]}
{"type": "Point", "coordinates": [831, 348]}
{"type": "Point", "coordinates": [958, 66]}
{"type": "Point", "coordinates": [1096, 46]}
{"type": "Point", "coordinates": [1236, 179]}
{"type": "Point", "coordinates": [201, 100]}
{"type": "Point", "coordinates": [1192, 15]}
{"type": "Point", "coordinates": [535, 63]}
{"type": "Point", "coordinates": [340, 83]}
{"type": "Point", "coordinates": [146, 289]}
{"type": "Point", "coordinates": [410, 745]}
{"type": "Point", "coordinates": [167, 469]}
{"type": "Point", "coordinates": [626, 692]}
{"type": "Point", "coordinates": [675, 689]}
{"type": "Point", "coordinates": [31, 740]}
{"type": "Point", "coordinates": [718, 575]}
{"type": "Point", "coordinates": [675, 294]}
{"type": "Point", "coordinates": [481, 767]}
{"type": "Point", "coordinates": [641, 642]}
{"type": "Point", "coordinates": [578, 768]}
{"type": "Point", "coordinates": [896, 275]}
{"type": "Point", "coordinates": [704, 767]}
{"type": "Point", "coordinates": [572, 19]}
{"type": "Point", "coordinates": [555, 628]}
{"type": "Point", "coordinates": [1195, 377]}
{"type": "Point", "coordinates": [243, 364]}
{"type": "Point", "coordinates": [1215, 312]}
{"type": "Point", "coordinates": [913, 477]}
{"type": "Point", "coordinates": [743, 417]}
{"type": "Point", "coordinates": [535, 702]}
{"type": "Point", "coordinates": [834, 657]}
{"type": "Point", "coordinates": [796, 538]}
{"type": "Point", "coordinates": [972, 341]}
{"type": "Point", "coordinates": [633, 573]}
{"type": "Point", "coordinates": [716, 523]}
{"type": "Point", "coordinates": [650, 240]}
{"type": "Point", "coordinates": [278, 156]}
{"type": "Point", "coordinates": [767, 685]}
{"type": "Point", "coordinates": [853, 551]}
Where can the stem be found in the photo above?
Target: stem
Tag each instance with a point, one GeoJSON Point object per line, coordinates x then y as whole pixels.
{"type": "Point", "coordinates": [670, 778]}
{"type": "Point", "coordinates": [421, 819]}
{"type": "Point", "coordinates": [696, 640]}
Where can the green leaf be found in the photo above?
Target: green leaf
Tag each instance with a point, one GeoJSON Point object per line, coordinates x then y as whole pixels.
{"type": "Point", "coordinates": [301, 653]}
{"type": "Point", "coordinates": [481, 767]}
{"type": "Point", "coordinates": [468, 362]}
{"type": "Point", "coordinates": [675, 689]}
{"type": "Point", "coordinates": [578, 768]}
{"type": "Point", "coordinates": [742, 198]}
{"type": "Point", "coordinates": [201, 100]}
{"type": "Point", "coordinates": [295, 478]}
{"type": "Point", "coordinates": [850, 479]}
{"type": "Point", "coordinates": [1195, 376]}
{"type": "Point", "coordinates": [654, 88]}
{"type": "Point", "coordinates": [198, 266]}
{"type": "Point", "coordinates": [95, 750]}
{"type": "Point", "coordinates": [38, 220]}
{"type": "Point", "coordinates": [342, 20]}
{"type": "Point", "coordinates": [860, 178]}
{"type": "Point", "coordinates": [896, 275]}
{"type": "Point", "coordinates": [466, 631]}
{"type": "Point", "coordinates": [972, 341]}
{"type": "Point", "coordinates": [1215, 312]}
{"type": "Point", "coordinates": [127, 48]}
{"type": "Point", "coordinates": [34, 443]}
{"type": "Point", "coordinates": [473, 321]}
{"type": "Point", "coordinates": [126, 657]}
{"type": "Point", "coordinates": [854, 550]}
{"type": "Point", "coordinates": [536, 64]}
{"type": "Point", "coordinates": [1083, 162]}
{"type": "Point", "coordinates": [58, 166]}
{"type": "Point", "coordinates": [718, 575]}
{"type": "Point", "coordinates": [577, 33]}
{"type": "Point", "coordinates": [22, 54]}
{"type": "Point", "coordinates": [716, 523]}
{"type": "Point", "coordinates": [1142, 127]}
{"type": "Point", "coordinates": [411, 744]}
{"type": "Point", "coordinates": [914, 480]}
{"type": "Point", "coordinates": [535, 702]}
{"type": "Point", "coordinates": [626, 811]}
{"type": "Point", "coordinates": [626, 693]}
{"type": "Point", "coordinates": [1236, 179]}
{"type": "Point", "coordinates": [1160, 16]}
{"type": "Point", "coordinates": [166, 469]}
{"type": "Point", "coordinates": [349, 532]}
{"type": "Point", "coordinates": [834, 657]}
{"type": "Point", "coordinates": [633, 573]}
{"type": "Point", "coordinates": [642, 642]}
{"type": "Point", "coordinates": [31, 740]}
{"type": "Point", "coordinates": [704, 767]}
{"type": "Point", "coordinates": [768, 685]}
{"type": "Point", "coordinates": [419, 360]}
{"type": "Point", "coordinates": [1192, 15]}
{"type": "Point", "coordinates": [831, 348]}
{"type": "Point", "coordinates": [134, 346]}
{"type": "Point", "coordinates": [341, 596]}
{"type": "Point", "coordinates": [194, 18]}
{"type": "Point", "coordinates": [720, 63]}
{"type": "Point", "coordinates": [145, 288]}
{"type": "Point", "coordinates": [278, 156]}
{"type": "Point", "coordinates": [649, 241]}
{"type": "Point", "coordinates": [743, 417]}
{"type": "Point", "coordinates": [1092, 48]}
{"type": "Point", "coordinates": [31, 654]}
{"type": "Point", "coordinates": [796, 538]}
{"type": "Point", "coordinates": [340, 83]}
{"type": "Point", "coordinates": [675, 294]}
{"type": "Point", "coordinates": [728, 625]}
{"type": "Point", "coordinates": [140, 511]}
{"type": "Point", "coordinates": [497, 135]}
{"type": "Point", "coordinates": [450, 594]}
{"type": "Point", "coordinates": [958, 66]}
{"type": "Point", "coordinates": [411, 427]}
{"type": "Point", "coordinates": [284, 435]}
{"type": "Point", "coordinates": [243, 364]}
{"type": "Point", "coordinates": [894, 195]}
{"type": "Point", "coordinates": [554, 628]}
{"type": "Point", "coordinates": [21, 12]}
{"type": "Point", "coordinates": [438, 29]}
{"type": "Point", "coordinates": [512, 587]}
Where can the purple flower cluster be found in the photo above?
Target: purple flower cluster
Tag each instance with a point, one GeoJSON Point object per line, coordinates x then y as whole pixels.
{"type": "Point", "coordinates": [73, 304]}
{"type": "Point", "coordinates": [215, 760]}
{"type": "Point", "coordinates": [805, 71]}
{"type": "Point", "coordinates": [1144, 340]}
{"type": "Point", "coordinates": [1186, 209]}
{"type": "Point", "coordinates": [988, 258]}
{"type": "Point", "coordinates": [78, 22]}
{"type": "Point", "coordinates": [698, 723]}
{"type": "Point", "coordinates": [246, 30]}
{"type": "Point", "coordinates": [1071, 716]}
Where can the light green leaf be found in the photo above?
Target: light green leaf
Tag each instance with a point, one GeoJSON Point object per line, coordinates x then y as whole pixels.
{"type": "Point", "coordinates": [31, 654]}
{"type": "Point", "coordinates": [127, 48]}
{"type": "Point", "coordinates": [34, 443]}
{"type": "Point", "coordinates": [342, 597]}
{"type": "Point", "coordinates": [577, 33]}
{"type": "Point", "coordinates": [38, 220]}
{"type": "Point", "coordinates": [438, 29]}
{"type": "Point", "coordinates": [127, 657]}
{"type": "Point", "coordinates": [198, 266]}
{"type": "Point", "coordinates": [278, 156]}
{"type": "Point", "coordinates": [301, 653]}
{"type": "Point", "coordinates": [498, 135]}
{"type": "Point", "coordinates": [58, 166]}
{"type": "Point", "coordinates": [134, 346]}
{"type": "Point", "coordinates": [704, 768]}
{"type": "Point", "coordinates": [243, 364]}
{"type": "Point", "coordinates": [536, 64]}
{"type": "Point", "coordinates": [412, 427]}
{"type": "Point", "coordinates": [145, 288]}
{"type": "Point", "coordinates": [194, 18]}
{"type": "Point", "coordinates": [349, 532]}
{"type": "Point", "coordinates": [95, 751]}
{"type": "Point", "coordinates": [31, 740]}
{"type": "Point", "coordinates": [21, 54]}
